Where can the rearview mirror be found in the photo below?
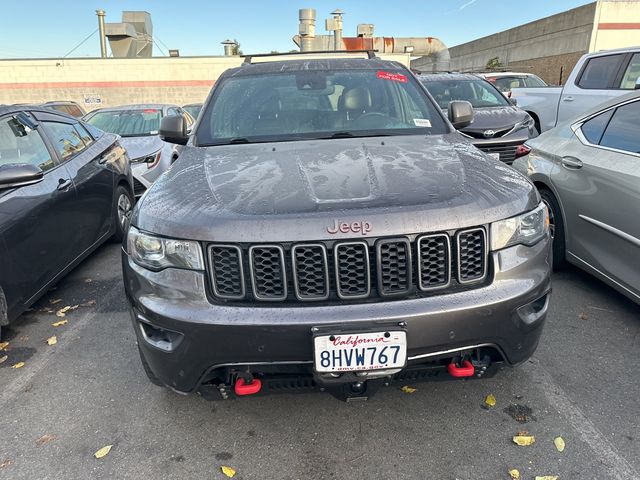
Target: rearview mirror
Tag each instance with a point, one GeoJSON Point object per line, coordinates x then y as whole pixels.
{"type": "Point", "coordinates": [19, 174]}
{"type": "Point", "coordinates": [173, 129]}
{"type": "Point", "coordinates": [460, 114]}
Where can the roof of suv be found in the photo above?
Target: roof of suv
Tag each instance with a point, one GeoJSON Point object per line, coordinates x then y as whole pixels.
{"type": "Point", "coordinates": [328, 64]}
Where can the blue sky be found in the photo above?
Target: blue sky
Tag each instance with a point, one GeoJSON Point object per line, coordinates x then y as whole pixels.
{"type": "Point", "coordinates": [52, 28]}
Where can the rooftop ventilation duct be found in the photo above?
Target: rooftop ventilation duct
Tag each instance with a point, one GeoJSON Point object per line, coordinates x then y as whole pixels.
{"type": "Point", "coordinates": [131, 38]}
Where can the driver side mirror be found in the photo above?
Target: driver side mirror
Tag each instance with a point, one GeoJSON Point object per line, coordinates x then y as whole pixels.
{"type": "Point", "coordinates": [173, 129]}
{"type": "Point", "coordinates": [460, 114]}
{"type": "Point", "coordinates": [19, 174]}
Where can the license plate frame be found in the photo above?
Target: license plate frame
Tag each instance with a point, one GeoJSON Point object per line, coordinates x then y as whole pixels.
{"type": "Point", "coordinates": [355, 341]}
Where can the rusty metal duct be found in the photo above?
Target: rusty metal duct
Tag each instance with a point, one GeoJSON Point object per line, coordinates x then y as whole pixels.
{"type": "Point", "coordinates": [416, 46]}
{"type": "Point", "coordinates": [132, 37]}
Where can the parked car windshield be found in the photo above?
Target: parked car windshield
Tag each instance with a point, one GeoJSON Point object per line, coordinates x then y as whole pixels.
{"type": "Point", "coordinates": [478, 92]}
{"type": "Point", "coordinates": [505, 84]}
{"type": "Point", "coordinates": [317, 104]}
{"type": "Point", "coordinates": [128, 123]}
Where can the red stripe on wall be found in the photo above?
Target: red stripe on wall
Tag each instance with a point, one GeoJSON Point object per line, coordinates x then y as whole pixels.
{"type": "Point", "coordinates": [619, 26]}
{"type": "Point", "coordinates": [142, 83]}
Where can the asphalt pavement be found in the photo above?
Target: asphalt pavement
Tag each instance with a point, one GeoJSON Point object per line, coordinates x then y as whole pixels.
{"type": "Point", "coordinates": [89, 390]}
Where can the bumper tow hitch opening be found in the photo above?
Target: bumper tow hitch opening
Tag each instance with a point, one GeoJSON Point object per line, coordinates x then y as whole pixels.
{"type": "Point", "coordinates": [466, 369]}
{"type": "Point", "coordinates": [243, 388]}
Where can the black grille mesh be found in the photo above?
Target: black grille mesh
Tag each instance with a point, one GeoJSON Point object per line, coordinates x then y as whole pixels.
{"type": "Point", "coordinates": [310, 272]}
{"type": "Point", "coordinates": [433, 252]}
{"type": "Point", "coordinates": [226, 268]}
{"type": "Point", "coordinates": [268, 273]}
{"type": "Point", "coordinates": [394, 267]}
{"type": "Point", "coordinates": [349, 270]}
{"type": "Point", "coordinates": [472, 261]}
{"type": "Point", "coordinates": [352, 270]}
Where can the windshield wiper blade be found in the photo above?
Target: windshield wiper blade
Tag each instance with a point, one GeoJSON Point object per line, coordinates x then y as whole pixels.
{"type": "Point", "coordinates": [237, 140]}
{"type": "Point", "coordinates": [344, 134]}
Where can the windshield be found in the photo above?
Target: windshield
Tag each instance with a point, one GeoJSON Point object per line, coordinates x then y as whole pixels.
{"type": "Point", "coordinates": [128, 123]}
{"type": "Point", "coordinates": [317, 104]}
{"type": "Point", "coordinates": [479, 93]}
{"type": "Point", "coordinates": [193, 110]}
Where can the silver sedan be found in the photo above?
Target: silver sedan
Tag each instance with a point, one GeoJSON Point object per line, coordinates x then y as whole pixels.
{"type": "Point", "coordinates": [588, 174]}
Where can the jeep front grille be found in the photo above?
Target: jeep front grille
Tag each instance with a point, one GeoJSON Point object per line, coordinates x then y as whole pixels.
{"type": "Point", "coordinates": [362, 270]}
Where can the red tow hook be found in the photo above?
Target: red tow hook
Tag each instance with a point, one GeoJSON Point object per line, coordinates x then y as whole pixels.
{"type": "Point", "coordinates": [466, 370]}
{"type": "Point", "coordinates": [243, 388]}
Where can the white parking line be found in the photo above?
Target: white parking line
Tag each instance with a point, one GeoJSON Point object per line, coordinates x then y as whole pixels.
{"type": "Point", "coordinates": [619, 467]}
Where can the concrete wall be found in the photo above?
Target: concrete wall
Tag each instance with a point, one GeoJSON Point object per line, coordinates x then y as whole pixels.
{"type": "Point", "coordinates": [616, 24]}
{"type": "Point", "coordinates": [116, 81]}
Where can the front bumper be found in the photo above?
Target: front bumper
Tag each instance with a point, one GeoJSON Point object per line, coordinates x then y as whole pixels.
{"type": "Point", "coordinates": [183, 337]}
{"type": "Point", "coordinates": [505, 147]}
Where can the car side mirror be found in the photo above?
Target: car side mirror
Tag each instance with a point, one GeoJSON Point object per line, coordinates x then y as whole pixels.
{"type": "Point", "coordinates": [173, 129]}
{"type": "Point", "coordinates": [513, 101]}
{"type": "Point", "coordinates": [19, 174]}
{"type": "Point", "coordinates": [460, 114]}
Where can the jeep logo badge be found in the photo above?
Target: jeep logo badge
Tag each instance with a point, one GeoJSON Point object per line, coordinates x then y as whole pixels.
{"type": "Point", "coordinates": [488, 133]}
{"type": "Point", "coordinates": [354, 227]}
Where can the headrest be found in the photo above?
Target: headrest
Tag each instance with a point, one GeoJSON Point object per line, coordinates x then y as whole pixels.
{"type": "Point", "coordinates": [356, 99]}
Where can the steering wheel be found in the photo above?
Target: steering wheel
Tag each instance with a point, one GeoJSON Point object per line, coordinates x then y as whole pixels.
{"type": "Point", "coordinates": [372, 120]}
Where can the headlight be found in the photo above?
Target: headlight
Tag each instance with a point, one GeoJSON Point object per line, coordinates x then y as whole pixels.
{"type": "Point", "coordinates": [524, 229]}
{"type": "Point", "coordinates": [526, 123]}
{"type": "Point", "coordinates": [157, 253]}
{"type": "Point", "coordinates": [151, 160]}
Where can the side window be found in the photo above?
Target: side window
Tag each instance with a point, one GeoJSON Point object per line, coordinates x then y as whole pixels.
{"type": "Point", "coordinates": [172, 112]}
{"type": "Point", "coordinates": [600, 72]}
{"type": "Point", "coordinates": [94, 131]}
{"type": "Point", "coordinates": [632, 74]}
{"type": "Point", "coordinates": [86, 138]}
{"type": "Point", "coordinates": [74, 110]}
{"type": "Point", "coordinates": [594, 128]}
{"type": "Point", "coordinates": [65, 138]}
{"type": "Point", "coordinates": [19, 144]}
{"type": "Point", "coordinates": [622, 131]}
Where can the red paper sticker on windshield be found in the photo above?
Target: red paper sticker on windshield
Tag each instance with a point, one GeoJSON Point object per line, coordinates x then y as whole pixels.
{"type": "Point", "coordinates": [396, 77]}
{"type": "Point", "coordinates": [150, 110]}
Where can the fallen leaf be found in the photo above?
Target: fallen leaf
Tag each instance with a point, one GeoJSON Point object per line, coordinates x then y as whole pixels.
{"type": "Point", "coordinates": [408, 389]}
{"type": "Point", "coordinates": [87, 280]}
{"type": "Point", "coordinates": [514, 474]}
{"type": "Point", "coordinates": [45, 439]}
{"type": "Point", "coordinates": [52, 340]}
{"type": "Point", "coordinates": [103, 452]}
{"type": "Point", "coordinates": [547, 477]}
{"type": "Point", "coordinates": [53, 302]}
{"type": "Point", "coordinates": [228, 471]}
{"type": "Point", "coordinates": [62, 312]}
{"type": "Point", "coordinates": [490, 400]}
{"type": "Point", "coordinates": [18, 365]}
{"type": "Point", "coordinates": [3, 358]}
{"type": "Point", "coordinates": [5, 463]}
{"type": "Point", "coordinates": [524, 440]}
{"type": "Point", "coordinates": [559, 443]}
{"type": "Point", "coordinates": [583, 316]}
{"type": "Point", "coordinates": [60, 323]}
{"type": "Point", "coordinates": [3, 345]}
{"type": "Point", "coordinates": [90, 303]}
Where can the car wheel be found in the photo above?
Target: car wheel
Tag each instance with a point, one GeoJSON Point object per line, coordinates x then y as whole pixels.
{"type": "Point", "coordinates": [122, 212]}
{"type": "Point", "coordinates": [152, 378]}
{"type": "Point", "coordinates": [556, 228]}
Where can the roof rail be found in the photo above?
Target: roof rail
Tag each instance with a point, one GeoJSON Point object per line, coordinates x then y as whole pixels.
{"type": "Point", "coordinates": [248, 58]}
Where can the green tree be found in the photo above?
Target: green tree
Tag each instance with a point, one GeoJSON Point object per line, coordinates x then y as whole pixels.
{"type": "Point", "coordinates": [493, 64]}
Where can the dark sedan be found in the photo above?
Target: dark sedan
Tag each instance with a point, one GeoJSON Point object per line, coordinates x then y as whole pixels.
{"type": "Point", "coordinates": [65, 188]}
{"type": "Point", "coordinates": [499, 128]}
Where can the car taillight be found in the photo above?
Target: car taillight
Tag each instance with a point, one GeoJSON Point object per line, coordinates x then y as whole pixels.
{"type": "Point", "coordinates": [522, 150]}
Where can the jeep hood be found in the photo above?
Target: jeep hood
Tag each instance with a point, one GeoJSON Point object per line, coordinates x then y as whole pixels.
{"type": "Point", "coordinates": [294, 190]}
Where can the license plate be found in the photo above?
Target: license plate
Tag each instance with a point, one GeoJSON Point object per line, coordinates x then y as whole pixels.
{"type": "Point", "coordinates": [360, 351]}
{"type": "Point", "coordinates": [495, 156]}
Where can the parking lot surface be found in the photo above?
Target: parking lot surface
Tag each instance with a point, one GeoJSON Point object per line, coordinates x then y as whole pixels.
{"type": "Point", "coordinates": [89, 390]}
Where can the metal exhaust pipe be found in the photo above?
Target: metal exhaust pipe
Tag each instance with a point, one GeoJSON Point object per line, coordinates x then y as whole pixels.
{"type": "Point", "coordinates": [103, 38]}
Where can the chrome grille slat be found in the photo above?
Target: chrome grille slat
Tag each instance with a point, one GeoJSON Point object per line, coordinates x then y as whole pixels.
{"type": "Point", "coordinates": [472, 255]}
{"type": "Point", "coordinates": [353, 277]}
{"type": "Point", "coordinates": [310, 271]}
{"type": "Point", "coordinates": [268, 273]}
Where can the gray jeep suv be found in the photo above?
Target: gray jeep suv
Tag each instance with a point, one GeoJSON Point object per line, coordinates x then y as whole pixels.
{"type": "Point", "coordinates": [326, 228]}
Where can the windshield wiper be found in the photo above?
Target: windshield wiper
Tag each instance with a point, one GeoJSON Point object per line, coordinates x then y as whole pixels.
{"type": "Point", "coordinates": [340, 135]}
{"type": "Point", "coordinates": [237, 140]}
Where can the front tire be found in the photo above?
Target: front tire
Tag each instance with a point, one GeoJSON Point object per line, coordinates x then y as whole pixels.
{"type": "Point", "coordinates": [556, 227]}
{"type": "Point", "coordinates": [122, 212]}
